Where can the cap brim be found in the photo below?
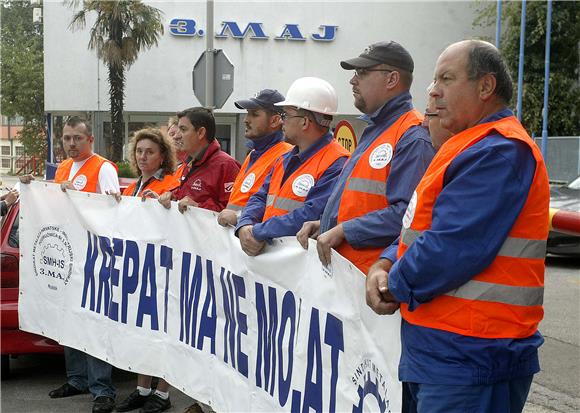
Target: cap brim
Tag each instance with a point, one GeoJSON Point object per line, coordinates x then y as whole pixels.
{"type": "Point", "coordinates": [358, 63]}
{"type": "Point", "coordinates": [247, 104]}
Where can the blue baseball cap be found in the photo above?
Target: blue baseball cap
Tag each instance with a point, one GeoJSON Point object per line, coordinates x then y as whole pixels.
{"type": "Point", "coordinates": [264, 99]}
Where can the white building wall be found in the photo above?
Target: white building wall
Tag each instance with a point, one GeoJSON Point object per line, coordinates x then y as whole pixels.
{"type": "Point", "coordinates": [161, 80]}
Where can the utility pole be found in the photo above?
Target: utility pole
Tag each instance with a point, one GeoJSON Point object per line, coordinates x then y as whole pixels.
{"type": "Point", "coordinates": [209, 57]}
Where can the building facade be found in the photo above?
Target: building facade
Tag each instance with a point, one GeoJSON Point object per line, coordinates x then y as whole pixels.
{"type": "Point", "coordinates": [11, 149]}
{"type": "Point", "coordinates": [269, 43]}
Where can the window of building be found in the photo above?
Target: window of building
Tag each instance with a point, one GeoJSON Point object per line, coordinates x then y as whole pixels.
{"type": "Point", "coordinates": [6, 150]}
{"type": "Point", "coordinates": [5, 163]}
{"type": "Point", "coordinates": [223, 135]}
{"type": "Point", "coordinates": [19, 150]}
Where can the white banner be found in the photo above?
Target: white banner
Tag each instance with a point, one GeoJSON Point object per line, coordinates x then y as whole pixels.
{"type": "Point", "coordinates": [172, 295]}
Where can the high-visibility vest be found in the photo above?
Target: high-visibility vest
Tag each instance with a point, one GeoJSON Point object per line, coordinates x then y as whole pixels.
{"type": "Point", "coordinates": [505, 299]}
{"type": "Point", "coordinates": [250, 180]}
{"type": "Point", "coordinates": [179, 171]}
{"type": "Point", "coordinates": [285, 198]}
{"type": "Point", "coordinates": [169, 182]}
{"type": "Point", "coordinates": [365, 189]}
{"type": "Point", "coordinates": [87, 177]}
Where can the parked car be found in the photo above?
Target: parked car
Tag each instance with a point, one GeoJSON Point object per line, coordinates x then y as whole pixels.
{"type": "Point", "coordinates": [13, 341]}
{"type": "Point", "coordinates": [566, 198]}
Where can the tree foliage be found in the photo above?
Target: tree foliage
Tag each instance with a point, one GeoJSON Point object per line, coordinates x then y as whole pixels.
{"type": "Point", "coordinates": [122, 29]}
{"type": "Point", "coordinates": [22, 74]}
{"type": "Point", "coordinates": [564, 85]}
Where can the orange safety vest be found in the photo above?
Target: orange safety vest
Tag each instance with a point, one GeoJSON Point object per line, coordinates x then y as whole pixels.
{"type": "Point", "coordinates": [179, 172]}
{"type": "Point", "coordinates": [249, 181]}
{"type": "Point", "coordinates": [169, 182]}
{"type": "Point", "coordinates": [365, 189]}
{"type": "Point", "coordinates": [87, 178]}
{"type": "Point", "coordinates": [505, 299]}
{"type": "Point", "coordinates": [285, 198]}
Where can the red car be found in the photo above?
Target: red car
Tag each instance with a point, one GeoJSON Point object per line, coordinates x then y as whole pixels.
{"type": "Point", "coordinates": [13, 340]}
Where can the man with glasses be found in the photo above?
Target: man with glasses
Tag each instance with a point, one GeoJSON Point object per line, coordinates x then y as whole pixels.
{"type": "Point", "coordinates": [298, 186]}
{"type": "Point", "coordinates": [85, 171]}
{"type": "Point", "coordinates": [365, 209]}
{"type": "Point", "coordinates": [266, 141]}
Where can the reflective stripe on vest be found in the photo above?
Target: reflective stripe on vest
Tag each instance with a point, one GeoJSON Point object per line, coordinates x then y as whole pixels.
{"type": "Point", "coordinates": [234, 207]}
{"type": "Point", "coordinates": [499, 293]}
{"type": "Point", "coordinates": [512, 247]}
{"type": "Point", "coordinates": [505, 299]}
{"type": "Point", "coordinates": [367, 186]}
{"type": "Point", "coordinates": [287, 204]}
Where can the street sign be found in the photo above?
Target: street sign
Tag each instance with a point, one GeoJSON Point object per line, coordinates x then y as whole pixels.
{"type": "Point", "coordinates": [223, 79]}
{"type": "Point", "coordinates": [344, 134]}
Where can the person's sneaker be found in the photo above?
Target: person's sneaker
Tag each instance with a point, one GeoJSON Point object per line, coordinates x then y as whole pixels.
{"type": "Point", "coordinates": [155, 404]}
{"type": "Point", "coordinates": [103, 404]}
{"type": "Point", "coordinates": [132, 402]}
{"type": "Point", "coordinates": [66, 390]}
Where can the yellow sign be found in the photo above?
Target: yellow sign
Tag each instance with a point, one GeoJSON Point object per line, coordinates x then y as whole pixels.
{"type": "Point", "coordinates": [344, 134]}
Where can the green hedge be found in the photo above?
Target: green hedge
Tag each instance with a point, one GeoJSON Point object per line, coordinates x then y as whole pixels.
{"type": "Point", "coordinates": [125, 170]}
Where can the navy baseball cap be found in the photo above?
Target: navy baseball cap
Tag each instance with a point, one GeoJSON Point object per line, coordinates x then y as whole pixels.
{"type": "Point", "coordinates": [390, 53]}
{"type": "Point", "coordinates": [264, 99]}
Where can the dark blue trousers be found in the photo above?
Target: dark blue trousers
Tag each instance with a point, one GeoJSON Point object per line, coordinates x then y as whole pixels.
{"type": "Point", "coordinates": [503, 397]}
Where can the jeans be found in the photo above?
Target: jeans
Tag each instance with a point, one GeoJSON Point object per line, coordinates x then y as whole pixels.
{"type": "Point", "coordinates": [503, 397]}
{"type": "Point", "coordinates": [84, 371]}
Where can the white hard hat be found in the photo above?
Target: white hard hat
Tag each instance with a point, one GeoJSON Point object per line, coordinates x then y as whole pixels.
{"type": "Point", "coordinates": [312, 94]}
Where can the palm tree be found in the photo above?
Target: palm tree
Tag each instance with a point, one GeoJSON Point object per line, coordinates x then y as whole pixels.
{"type": "Point", "coordinates": [123, 29]}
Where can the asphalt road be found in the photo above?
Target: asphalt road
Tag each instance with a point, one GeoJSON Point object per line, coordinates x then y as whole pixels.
{"type": "Point", "coordinates": [555, 389]}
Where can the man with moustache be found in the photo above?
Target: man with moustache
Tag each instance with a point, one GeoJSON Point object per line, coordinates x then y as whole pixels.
{"type": "Point", "coordinates": [366, 206]}
{"type": "Point", "coordinates": [298, 186]}
{"type": "Point", "coordinates": [438, 134]}
{"type": "Point", "coordinates": [266, 141]}
{"type": "Point", "coordinates": [468, 272]}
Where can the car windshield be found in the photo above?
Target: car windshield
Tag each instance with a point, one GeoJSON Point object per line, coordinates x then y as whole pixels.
{"type": "Point", "coordinates": [575, 184]}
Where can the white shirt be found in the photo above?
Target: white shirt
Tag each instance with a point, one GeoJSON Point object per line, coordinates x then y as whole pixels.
{"type": "Point", "coordinates": [108, 178]}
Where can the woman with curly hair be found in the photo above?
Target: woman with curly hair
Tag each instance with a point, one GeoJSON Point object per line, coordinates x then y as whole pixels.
{"type": "Point", "coordinates": [152, 155]}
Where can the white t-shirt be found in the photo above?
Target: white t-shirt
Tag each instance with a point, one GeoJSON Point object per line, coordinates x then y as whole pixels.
{"type": "Point", "coordinates": [108, 178]}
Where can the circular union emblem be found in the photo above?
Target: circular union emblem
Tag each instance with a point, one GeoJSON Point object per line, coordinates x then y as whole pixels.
{"type": "Point", "coordinates": [381, 156]}
{"type": "Point", "coordinates": [79, 182]}
{"type": "Point", "coordinates": [410, 212]}
{"type": "Point", "coordinates": [372, 389]}
{"type": "Point", "coordinates": [248, 183]}
{"type": "Point", "coordinates": [302, 185]}
{"type": "Point", "coordinates": [52, 255]}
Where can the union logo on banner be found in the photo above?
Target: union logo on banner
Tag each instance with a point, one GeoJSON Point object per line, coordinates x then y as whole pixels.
{"type": "Point", "coordinates": [52, 256]}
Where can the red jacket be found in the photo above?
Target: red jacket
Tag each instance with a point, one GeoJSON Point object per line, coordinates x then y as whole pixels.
{"type": "Point", "coordinates": [211, 179]}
